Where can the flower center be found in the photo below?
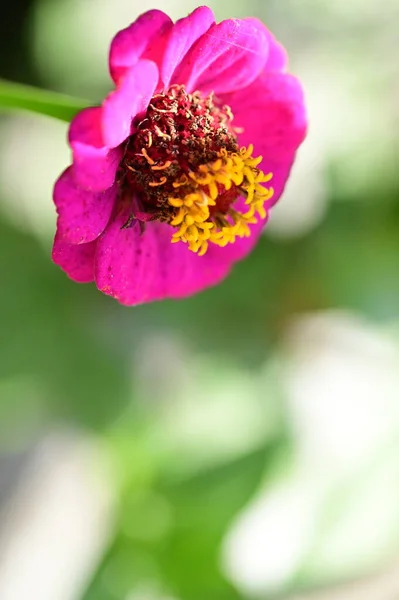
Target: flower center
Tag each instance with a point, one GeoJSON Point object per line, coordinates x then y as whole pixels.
{"type": "Point", "coordinates": [183, 166]}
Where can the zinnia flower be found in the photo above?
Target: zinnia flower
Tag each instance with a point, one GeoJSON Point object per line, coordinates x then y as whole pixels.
{"type": "Point", "coordinates": [174, 174]}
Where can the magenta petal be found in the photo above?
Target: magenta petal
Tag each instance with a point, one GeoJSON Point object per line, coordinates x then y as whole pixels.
{"type": "Point", "coordinates": [136, 267]}
{"type": "Point", "coordinates": [277, 58]}
{"type": "Point", "coordinates": [82, 214]}
{"type": "Point", "coordinates": [76, 261]}
{"type": "Point", "coordinates": [272, 114]}
{"type": "Point", "coordinates": [145, 38]}
{"type": "Point", "coordinates": [127, 262]}
{"type": "Point", "coordinates": [183, 35]}
{"type": "Point", "coordinates": [227, 57]}
{"type": "Point", "coordinates": [182, 272]}
{"type": "Point", "coordinates": [94, 165]}
{"type": "Point", "coordinates": [271, 111]}
{"type": "Point", "coordinates": [131, 97]}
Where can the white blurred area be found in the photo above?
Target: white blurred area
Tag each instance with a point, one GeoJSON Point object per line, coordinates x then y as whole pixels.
{"type": "Point", "coordinates": [57, 520]}
{"type": "Point", "coordinates": [149, 592]}
{"type": "Point", "coordinates": [204, 419]}
{"type": "Point", "coordinates": [331, 513]}
{"type": "Point", "coordinates": [334, 512]}
{"type": "Point", "coordinates": [33, 153]}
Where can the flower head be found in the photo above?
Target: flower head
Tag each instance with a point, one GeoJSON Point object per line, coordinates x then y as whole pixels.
{"type": "Point", "coordinates": [173, 176]}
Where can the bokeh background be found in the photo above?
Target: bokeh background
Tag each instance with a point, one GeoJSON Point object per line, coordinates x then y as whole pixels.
{"type": "Point", "coordinates": [242, 444]}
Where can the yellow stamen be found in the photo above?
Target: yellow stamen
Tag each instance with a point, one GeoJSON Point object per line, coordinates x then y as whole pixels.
{"type": "Point", "coordinates": [148, 158]}
{"type": "Point", "coordinates": [161, 134]}
{"type": "Point", "coordinates": [183, 181]}
{"type": "Point", "coordinates": [197, 225]}
{"type": "Point", "coordinates": [176, 202]}
{"type": "Point", "coordinates": [157, 183]}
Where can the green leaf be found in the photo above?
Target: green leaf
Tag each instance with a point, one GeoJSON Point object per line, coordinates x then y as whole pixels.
{"type": "Point", "coordinates": [15, 96]}
{"type": "Point", "coordinates": [184, 560]}
{"type": "Point", "coordinates": [203, 507]}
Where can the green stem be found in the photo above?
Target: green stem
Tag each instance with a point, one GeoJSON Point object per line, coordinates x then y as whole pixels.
{"type": "Point", "coordinates": [15, 96]}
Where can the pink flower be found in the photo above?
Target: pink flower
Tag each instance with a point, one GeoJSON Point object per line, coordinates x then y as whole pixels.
{"type": "Point", "coordinates": [173, 176]}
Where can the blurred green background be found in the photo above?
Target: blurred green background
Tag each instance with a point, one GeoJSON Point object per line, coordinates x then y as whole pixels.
{"type": "Point", "coordinates": [241, 444]}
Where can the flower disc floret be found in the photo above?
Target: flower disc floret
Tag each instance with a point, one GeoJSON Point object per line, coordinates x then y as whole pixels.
{"type": "Point", "coordinates": [206, 213]}
{"type": "Point", "coordinates": [185, 167]}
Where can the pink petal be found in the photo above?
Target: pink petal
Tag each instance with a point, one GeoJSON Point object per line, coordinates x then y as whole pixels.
{"type": "Point", "coordinates": [273, 116]}
{"type": "Point", "coordinates": [127, 263]}
{"type": "Point", "coordinates": [94, 165]}
{"type": "Point", "coordinates": [145, 38]}
{"type": "Point", "coordinates": [227, 57]}
{"type": "Point", "coordinates": [183, 35]}
{"type": "Point", "coordinates": [271, 111]}
{"type": "Point", "coordinates": [131, 98]}
{"type": "Point", "coordinates": [183, 272]}
{"type": "Point", "coordinates": [277, 59]}
{"type": "Point", "coordinates": [76, 261]}
{"type": "Point", "coordinates": [136, 267]}
{"type": "Point", "coordinates": [82, 214]}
